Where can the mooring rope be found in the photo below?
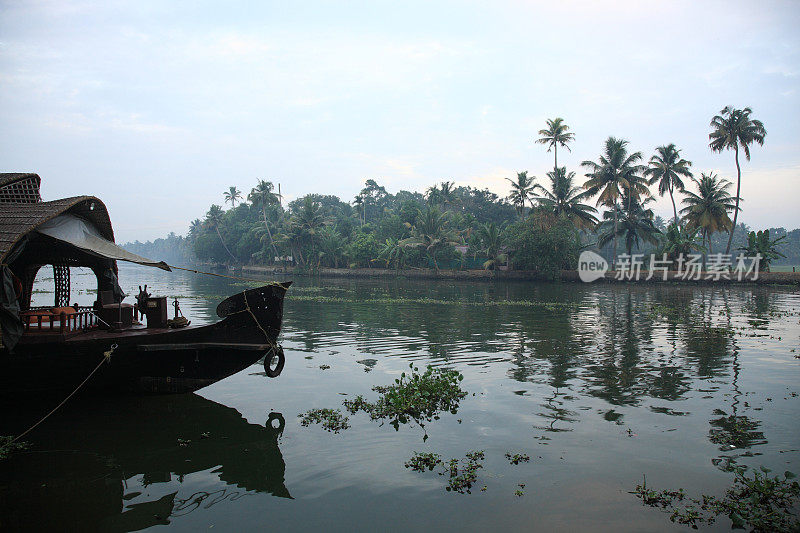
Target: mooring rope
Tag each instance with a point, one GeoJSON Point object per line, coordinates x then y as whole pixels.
{"type": "Point", "coordinates": [240, 278]}
{"type": "Point", "coordinates": [106, 357]}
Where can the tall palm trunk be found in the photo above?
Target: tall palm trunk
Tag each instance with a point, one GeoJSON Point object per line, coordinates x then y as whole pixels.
{"type": "Point", "coordinates": [223, 243]}
{"type": "Point", "coordinates": [614, 258]}
{"type": "Point", "coordinates": [736, 211]}
{"type": "Point", "coordinates": [555, 154]}
{"type": "Point", "coordinates": [705, 252]}
{"type": "Point", "coordinates": [269, 233]}
{"type": "Point", "coordinates": [674, 209]}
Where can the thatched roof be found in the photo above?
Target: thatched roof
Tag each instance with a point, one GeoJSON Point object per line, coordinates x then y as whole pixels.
{"type": "Point", "coordinates": [20, 187]}
{"type": "Point", "coordinates": [19, 219]}
{"type": "Point", "coordinates": [10, 177]}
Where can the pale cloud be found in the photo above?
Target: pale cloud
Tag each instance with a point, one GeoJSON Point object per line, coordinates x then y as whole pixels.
{"type": "Point", "coordinates": [322, 97]}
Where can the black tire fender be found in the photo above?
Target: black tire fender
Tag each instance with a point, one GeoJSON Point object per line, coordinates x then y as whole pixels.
{"type": "Point", "coordinates": [271, 371]}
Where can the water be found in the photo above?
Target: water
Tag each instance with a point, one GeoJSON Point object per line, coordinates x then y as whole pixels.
{"type": "Point", "coordinates": [598, 384]}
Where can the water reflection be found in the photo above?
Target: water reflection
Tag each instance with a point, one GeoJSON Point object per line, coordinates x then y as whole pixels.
{"type": "Point", "coordinates": [109, 462]}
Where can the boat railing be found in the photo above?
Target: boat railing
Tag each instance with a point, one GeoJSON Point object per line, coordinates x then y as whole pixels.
{"type": "Point", "coordinates": [63, 320]}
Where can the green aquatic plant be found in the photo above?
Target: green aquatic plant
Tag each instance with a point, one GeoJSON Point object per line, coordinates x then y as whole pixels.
{"type": "Point", "coordinates": [422, 461]}
{"type": "Point", "coordinates": [462, 474]}
{"type": "Point", "coordinates": [760, 502]}
{"type": "Point", "coordinates": [8, 446]}
{"type": "Point", "coordinates": [416, 396]}
{"type": "Point", "coordinates": [517, 458]}
{"type": "Point", "coordinates": [331, 419]}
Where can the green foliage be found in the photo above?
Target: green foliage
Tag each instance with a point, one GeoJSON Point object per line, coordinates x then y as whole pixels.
{"type": "Point", "coordinates": [432, 233]}
{"type": "Point", "coordinates": [413, 396]}
{"type": "Point", "coordinates": [707, 210]}
{"type": "Point", "coordinates": [422, 461]}
{"type": "Point", "coordinates": [363, 249]}
{"type": "Point", "coordinates": [8, 446]}
{"type": "Point", "coordinates": [517, 458]}
{"type": "Point", "coordinates": [564, 198]}
{"type": "Point", "coordinates": [461, 474]}
{"type": "Point", "coordinates": [545, 244]}
{"type": "Point", "coordinates": [331, 419]}
{"type": "Point", "coordinates": [760, 244]}
{"type": "Point", "coordinates": [678, 241]}
{"type": "Point", "coordinates": [760, 502]}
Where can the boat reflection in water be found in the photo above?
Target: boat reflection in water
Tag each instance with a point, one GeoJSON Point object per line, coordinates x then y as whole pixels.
{"type": "Point", "coordinates": [98, 463]}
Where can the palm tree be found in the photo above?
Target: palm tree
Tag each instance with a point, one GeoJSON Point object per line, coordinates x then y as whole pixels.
{"type": "Point", "coordinates": [214, 218]}
{"type": "Point", "coordinates": [733, 128]}
{"type": "Point", "coordinates": [521, 191]}
{"type": "Point", "coordinates": [331, 244]}
{"type": "Point", "coordinates": [564, 198]}
{"type": "Point", "coordinates": [434, 195]}
{"type": "Point", "coordinates": [556, 133]}
{"type": "Point", "coordinates": [678, 241]}
{"type": "Point", "coordinates": [431, 231]}
{"type": "Point", "coordinates": [666, 167]}
{"type": "Point", "coordinates": [194, 229]}
{"type": "Point", "coordinates": [635, 224]}
{"type": "Point", "coordinates": [492, 241]}
{"type": "Point", "coordinates": [233, 195]}
{"type": "Point", "coordinates": [615, 172]}
{"type": "Point", "coordinates": [262, 196]}
{"type": "Point", "coordinates": [308, 221]}
{"type": "Point", "coordinates": [447, 193]}
{"type": "Point", "coordinates": [707, 209]}
{"type": "Point", "coordinates": [392, 251]}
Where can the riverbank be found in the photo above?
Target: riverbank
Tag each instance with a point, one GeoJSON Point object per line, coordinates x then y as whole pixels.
{"type": "Point", "coordinates": [764, 278]}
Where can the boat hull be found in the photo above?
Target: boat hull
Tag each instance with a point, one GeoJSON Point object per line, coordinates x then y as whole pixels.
{"type": "Point", "coordinates": [145, 360]}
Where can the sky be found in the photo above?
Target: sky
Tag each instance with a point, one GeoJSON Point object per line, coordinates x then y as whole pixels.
{"type": "Point", "coordinates": [158, 107]}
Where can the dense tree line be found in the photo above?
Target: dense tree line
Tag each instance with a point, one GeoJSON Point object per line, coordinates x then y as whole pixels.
{"type": "Point", "coordinates": [541, 225]}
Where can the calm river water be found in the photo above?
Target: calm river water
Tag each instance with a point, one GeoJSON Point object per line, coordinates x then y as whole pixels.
{"type": "Point", "coordinates": [598, 384]}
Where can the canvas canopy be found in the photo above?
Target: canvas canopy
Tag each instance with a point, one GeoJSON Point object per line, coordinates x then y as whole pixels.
{"type": "Point", "coordinates": [82, 234]}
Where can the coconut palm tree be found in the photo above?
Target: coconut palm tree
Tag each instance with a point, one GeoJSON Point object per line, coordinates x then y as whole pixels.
{"type": "Point", "coordinates": [331, 244]}
{"type": "Point", "coordinates": [214, 218]}
{"type": "Point", "coordinates": [233, 195]}
{"type": "Point", "coordinates": [447, 193]}
{"type": "Point", "coordinates": [616, 172]}
{"type": "Point", "coordinates": [733, 128]}
{"type": "Point", "coordinates": [521, 191]}
{"type": "Point", "coordinates": [194, 229]}
{"type": "Point", "coordinates": [393, 252]}
{"type": "Point", "coordinates": [666, 167]}
{"type": "Point", "coordinates": [492, 241]}
{"type": "Point", "coordinates": [630, 220]}
{"type": "Point", "coordinates": [557, 133]}
{"type": "Point", "coordinates": [431, 232]}
{"type": "Point", "coordinates": [678, 241]}
{"type": "Point", "coordinates": [434, 195]}
{"type": "Point", "coordinates": [310, 219]}
{"type": "Point", "coordinates": [565, 198]}
{"type": "Point", "coordinates": [261, 197]}
{"type": "Point", "coordinates": [708, 209]}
